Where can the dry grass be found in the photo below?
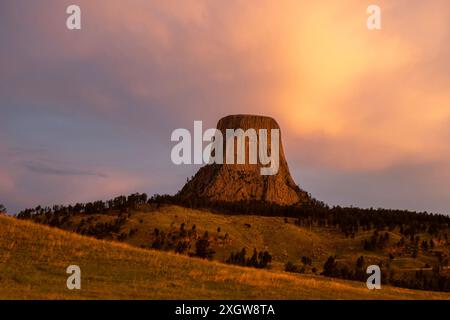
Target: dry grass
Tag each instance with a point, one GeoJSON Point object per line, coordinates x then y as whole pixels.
{"type": "Point", "coordinates": [285, 241]}
{"type": "Point", "coordinates": [265, 233]}
{"type": "Point", "coordinates": [33, 260]}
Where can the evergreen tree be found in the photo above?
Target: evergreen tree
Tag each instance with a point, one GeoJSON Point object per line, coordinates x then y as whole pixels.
{"type": "Point", "coordinates": [330, 267]}
{"type": "Point", "coordinates": [202, 248]}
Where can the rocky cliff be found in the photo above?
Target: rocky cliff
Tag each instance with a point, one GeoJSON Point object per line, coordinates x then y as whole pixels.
{"type": "Point", "coordinates": [237, 182]}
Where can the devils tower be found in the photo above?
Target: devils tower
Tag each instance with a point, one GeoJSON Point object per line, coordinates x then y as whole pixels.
{"type": "Point", "coordinates": [244, 182]}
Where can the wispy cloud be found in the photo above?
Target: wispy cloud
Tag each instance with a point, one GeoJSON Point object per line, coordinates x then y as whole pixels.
{"type": "Point", "coordinates": [45, 169]}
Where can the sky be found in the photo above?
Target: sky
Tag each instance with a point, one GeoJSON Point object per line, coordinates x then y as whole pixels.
{"type": "Point", "coordinates": [88, 114]}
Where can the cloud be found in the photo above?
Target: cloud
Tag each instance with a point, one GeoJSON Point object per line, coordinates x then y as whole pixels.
{"type": "Point", "coordinates": [38, 176]}
{"type": "Point", "coordinates": [44, 169]}
{"type": "Point", "coordinates": [363, 88]}
{"type": "Point", "coordinates": [7, 183]}
{"type": "Point", "coordinates": [420, 186]}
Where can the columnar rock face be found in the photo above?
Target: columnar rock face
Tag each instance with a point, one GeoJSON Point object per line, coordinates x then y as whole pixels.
{"type": "Point", "coordinates": [241, 182]}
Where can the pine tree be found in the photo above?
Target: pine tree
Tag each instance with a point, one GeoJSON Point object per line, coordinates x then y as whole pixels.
{"type": "Point", "coordinates": [330, 267]}
{"type": "Point", "coordinates": [253, 261]}
{"type": "Point", "coordinates": [202, 248]}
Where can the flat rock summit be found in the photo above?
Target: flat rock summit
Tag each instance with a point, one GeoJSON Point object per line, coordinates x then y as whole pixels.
{"type": "Point", "coordinates": [244, 182]}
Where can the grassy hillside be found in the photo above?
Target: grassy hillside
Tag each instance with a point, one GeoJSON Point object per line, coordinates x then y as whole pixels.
{"type": "Point", "coordinates": [33, 260]}
{"type": "Point", "coordinates": [284, 240]}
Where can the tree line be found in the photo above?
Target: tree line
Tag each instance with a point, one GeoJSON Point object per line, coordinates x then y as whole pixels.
{"type": "Point", "coordinates": [51, 215]}
{"type": "Point", "coordinates": [434, 279]}
{"type": "Point", "coordinates": [258, 260]}
{"type": "Point", "coordinates": [349, 220]}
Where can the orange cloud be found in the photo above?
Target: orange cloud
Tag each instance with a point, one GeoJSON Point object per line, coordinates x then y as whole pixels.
{"type": "Point", "coordinates": [368, 91]}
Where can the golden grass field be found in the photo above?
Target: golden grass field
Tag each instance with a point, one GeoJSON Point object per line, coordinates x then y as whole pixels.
{"type": "Point", "coordinates": [34, 258]}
